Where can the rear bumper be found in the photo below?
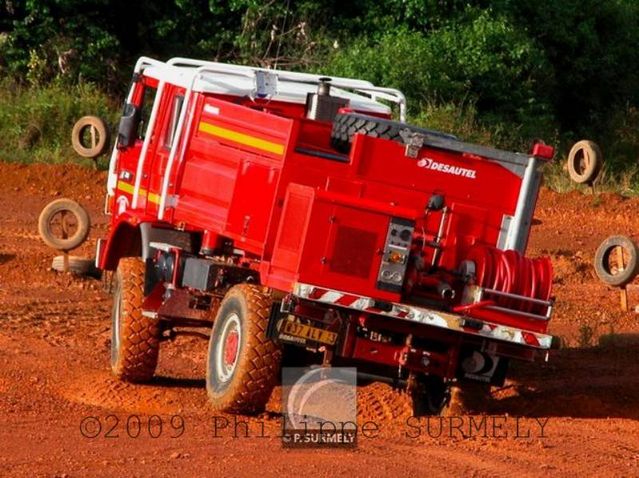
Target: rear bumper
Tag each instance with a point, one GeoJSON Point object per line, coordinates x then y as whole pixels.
{"type": "Point", "coordinates": [409, 313]}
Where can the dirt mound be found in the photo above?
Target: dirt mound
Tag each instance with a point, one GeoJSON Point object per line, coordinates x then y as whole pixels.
{"type": "Point", "coordinates": [382, 404]}
{"type": "Point", "coordinates": [101, 389]}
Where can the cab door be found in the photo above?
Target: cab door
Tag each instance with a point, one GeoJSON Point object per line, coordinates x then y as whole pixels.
{"type": "Point", "coordinates": [162, 143]}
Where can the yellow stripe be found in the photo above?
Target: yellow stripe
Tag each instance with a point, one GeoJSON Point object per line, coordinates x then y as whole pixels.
{"type": "Point", "coordinates": [154, 198]}
{"type": "Point", "coordinates": [242, 138]}
{"type": "Point", "coordinates": [128, 188]}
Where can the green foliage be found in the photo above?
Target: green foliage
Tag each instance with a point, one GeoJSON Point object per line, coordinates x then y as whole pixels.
{"type": "Point", "coordinates": [485, 62]}
{"type": "Point", "coordinates": [495, 71]}
{"type": "Point", "coordinates": [47, 38]}
{"type": "Point", "coordinates": [589, 44]}
{"type": "Point", "coordinates": [36, 121]}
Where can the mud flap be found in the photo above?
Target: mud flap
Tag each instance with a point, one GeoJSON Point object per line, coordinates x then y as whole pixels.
{"type": "Point", "coordinates": [150, 276]}
{"type": "Point", "coordinates": [273, 320]}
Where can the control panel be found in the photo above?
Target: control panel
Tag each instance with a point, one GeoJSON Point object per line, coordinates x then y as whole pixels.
{"type": "Point", "coordinates": [396, 252]}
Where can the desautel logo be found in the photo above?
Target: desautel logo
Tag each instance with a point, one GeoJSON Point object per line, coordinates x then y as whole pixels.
{"type": "Point", "coordinates": [428, 163]}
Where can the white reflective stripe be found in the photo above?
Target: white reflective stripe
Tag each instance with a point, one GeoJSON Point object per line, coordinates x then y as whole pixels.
{"type": "Point", "coordinates": [331, 296]}
{"type": "Point", "coordinates": [212, 110]}
{"type": "Point", "coordinates": [362, 303]}
{"type": "Point", "coordinates": [427, 317]}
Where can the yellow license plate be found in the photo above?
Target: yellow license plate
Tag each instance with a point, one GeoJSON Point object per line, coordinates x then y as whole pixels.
{"type": "Point", "coordinates": [307, 332]}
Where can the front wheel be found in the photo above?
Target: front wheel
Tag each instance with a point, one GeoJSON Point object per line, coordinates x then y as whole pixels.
{"type": "Point", "coordinates": [243, 363]}
{"type": "Point", "coordinates": [135, 339]}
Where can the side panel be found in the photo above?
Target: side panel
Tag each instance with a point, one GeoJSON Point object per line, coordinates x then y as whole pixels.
{"type": "Point", "coordinates": [228, 179]}
{"type": "Point", "coordinates": [252, 202]}
{"type": "Point", "coordinates": [282, 272]}
{"type": "Point", "coordinates": [343, 249]}
{"type": "Point", "coordinates": [324, 242]}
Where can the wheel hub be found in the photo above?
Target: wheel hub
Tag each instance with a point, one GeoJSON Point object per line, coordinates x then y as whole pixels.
{"type": "Point", "coordinates": [228, 348]}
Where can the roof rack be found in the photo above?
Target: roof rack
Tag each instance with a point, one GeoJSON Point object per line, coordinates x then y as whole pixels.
{"type": "Point", "coordinates": [360, 86]}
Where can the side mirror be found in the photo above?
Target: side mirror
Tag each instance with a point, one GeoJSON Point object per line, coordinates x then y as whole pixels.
{"type": "Point", "coordinates": [128, 128]}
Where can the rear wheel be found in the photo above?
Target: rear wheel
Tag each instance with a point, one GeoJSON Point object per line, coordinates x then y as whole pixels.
{"type": "Point", "coordinates": [243, 364]}
{"type": "Point", "coordinates": [135, 339]}
{"type": "Point", "coordinates": [430, 395]}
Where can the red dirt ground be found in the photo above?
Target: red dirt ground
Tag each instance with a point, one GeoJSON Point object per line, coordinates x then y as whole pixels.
{"type": "Point", "coordinates": [55, 378]}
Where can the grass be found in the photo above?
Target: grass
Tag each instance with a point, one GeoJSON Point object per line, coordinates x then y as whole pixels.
{"type": "Point", "coordinates": [36, 121]}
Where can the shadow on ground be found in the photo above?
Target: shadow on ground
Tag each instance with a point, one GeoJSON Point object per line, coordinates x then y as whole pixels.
{"type": "Point", "coordinates": [595, 382]}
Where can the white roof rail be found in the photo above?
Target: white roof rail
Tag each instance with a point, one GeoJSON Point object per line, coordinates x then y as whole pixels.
{"type": "Point", "coordinates": [217, 73]}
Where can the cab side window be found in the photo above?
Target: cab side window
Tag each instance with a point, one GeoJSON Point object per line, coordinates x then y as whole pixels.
{"type": "Point", "coordinates": [174, 116]}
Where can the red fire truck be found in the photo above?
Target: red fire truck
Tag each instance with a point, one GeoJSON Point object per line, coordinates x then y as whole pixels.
{"type": "Point", "coordinates": [290, 215]}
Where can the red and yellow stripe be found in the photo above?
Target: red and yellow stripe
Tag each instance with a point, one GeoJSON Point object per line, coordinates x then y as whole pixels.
{"type": "Point", "coordinates": [241, 138]}
{"type": "Point", "coordinates": [129, 188]}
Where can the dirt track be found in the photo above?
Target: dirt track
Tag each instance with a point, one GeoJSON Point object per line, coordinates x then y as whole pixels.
{"type": "Point", "coordinates": [54, 373]}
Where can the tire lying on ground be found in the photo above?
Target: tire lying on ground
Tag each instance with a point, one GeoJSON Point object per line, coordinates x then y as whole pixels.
{"type": "Point", "coordinates": [135, 339]}
{"type": "Point", "coordinates": [607, 259]}
{"type": "Point", "coordinates": [77, 265]}
{"type": "Point", "coordinates": [243, 364]}
{"type": "Point", "coordinates": [585, 162]}
{"type": "Point", "coordinates": [73, 228]}
{"type": "Point", "coordinates": [347, 125]}
{"type": "Point", "coordinates": [98, 133]}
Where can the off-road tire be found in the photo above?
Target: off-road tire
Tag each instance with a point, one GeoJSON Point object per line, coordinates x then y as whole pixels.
{"type": "Point", "coordinates": [100, 136]}
{"type": "Point", "coordinates": [585, 162]}
{"type": "Point", "coordinates": [63, 205]}
{"type": "Point", "coordinates": [257, 361]}
{"type": "Point", "coordinates": [134, 356]}
{"type": "Point", "coordinates": [603, 254]}
{"type": "Point", "coordinates": [347, 125]}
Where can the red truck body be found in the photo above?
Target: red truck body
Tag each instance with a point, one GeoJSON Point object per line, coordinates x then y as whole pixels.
{"type": "Point", "coordinates": [422, 239]}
